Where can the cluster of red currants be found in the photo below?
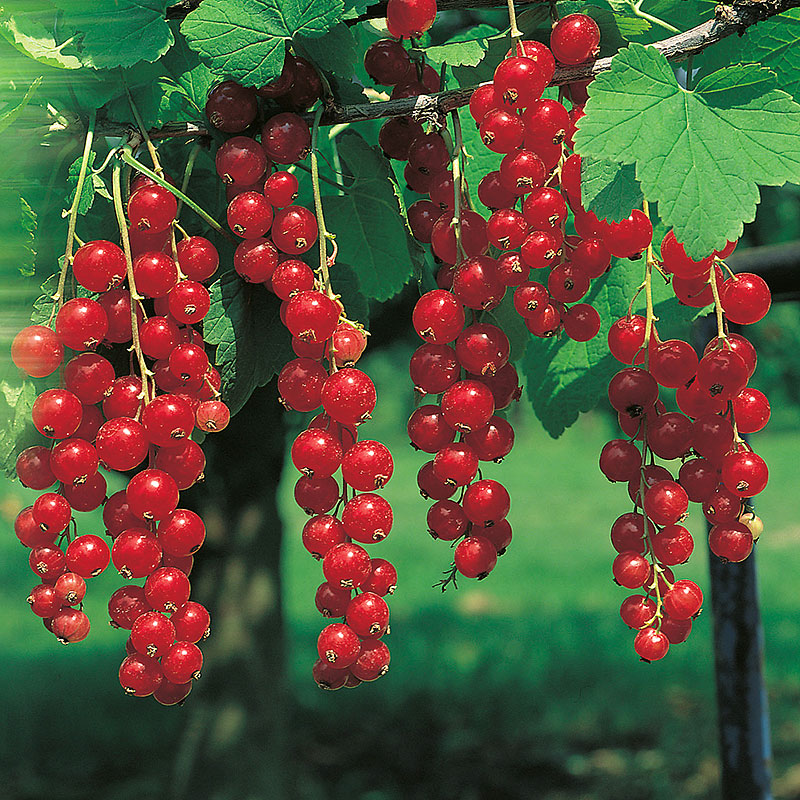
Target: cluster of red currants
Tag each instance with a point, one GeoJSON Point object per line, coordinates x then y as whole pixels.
{"type": "Point", "coordinates": [351, 651]}
{"type": "Point", "coordinates": [717, 467]}
{"type": "Point", "coordinates": [98, 419]}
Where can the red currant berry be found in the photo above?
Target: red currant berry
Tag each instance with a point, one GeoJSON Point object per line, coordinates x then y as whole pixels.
{"type": "Point", "coordinates": [575, 39]}
{"type": "Point", "coordinates": [683, 600]}
{"type": "Point", "coordinates": [346, 565]}
{"type": "Point", "coordinates": [182, 662]}
{"type": "Point", "coordinates": [475, 557]}
{"type": "Point", "coordinates": [37, 351]}
{"type": "Point", "coordinates": [731, 541]}
{"type": "Point", "coordinates": [231, 107]}
{"type": "Point", "coordinates": [651, 645]}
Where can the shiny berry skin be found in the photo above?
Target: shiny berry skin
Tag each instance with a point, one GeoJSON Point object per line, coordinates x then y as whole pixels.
{"type": "Point", "coordinates": [678, 263]}
{"type": "Point", "coordinates": [712, 437]}
{"type": "Point", "coordinates": [541, 249]}
{"type": "Point", "coordinates": [546, 323]}
{"type": "Point", "coordinates": [152, 208]}
{"type": "Point", "coordinates": [467, 405]}
{"type": "Point", "coordinates": [637, 611]}
{"type": "Point", "coordinates": [87, 556]}
{"type": "Point", "coordinates": [475, 557]}
{"type": "Point", "coordinates": [591, 256]}
{"type": "Point", "coordinates": [155, 274]}
{"type": "Point", "coordinates": [316, 453]}
{"type": "Point", "coordinates": [581, 322]}
{"type": "Point", "coordinates": [476, 283]}
{"type": "Point", "coordinates": [189, 302]}
{"type": "Point", "coordinates": [519, 81]}
{"type": "Point", "coordinates": [135, 553]}
{"type": "Point", "coordinates": [74, 461]}
{"type": "Point", "coordinates": [367, 518]}
{"type": "Point", "coordinates": [386, 61]}
{"type": "Point", "coordinates": [521, 172]}
{"type": "Point", "coordinates": [192, 622]}
{"type": "Point", "coordinates": [383, 578]}
{"type": "Point", "coordinates": [731, 541]}
{"type": "Point", "coordinates": [338, 645]}
{"type": "Point", "coordinates": [290, 277]}
{"type": "Point", "coordinates": [620, 460]}
{"type": "Point", "coordinates": [167, 420]}
{"type": "Point", "coordinates": [212, 416]}
{"type": "Point", "coordinates": [51, 512]}
{"type": "Point", "coordinates": [455, 465]}
{"type": "Point", "coordinates": [240, 160]}
{"type": "Point", "coordinates": [33, 468]}
{"type": "Point", "coordinates": [433, 368]}
{"type": "Point", "coordinates": [722, 373]}
{"type": "Point", "coordinates": [152, 494]}
{"type": "Point", "coordinates": [407, 19]}
{"type": "Point", "coordinates": [482, 349]}
{"type": "Point", "coordinates": [286, 138]}
{"type": "Point", "coordinates": [281, 189]}
{"type": "Point", "coordinates": [438, 317]}
{"type": "Point", "coordinates": [421, 218]}
{"type": "Point", "coordinates": [311, 316]}
{"type": "Point", "coordinates": [483, 100]}
{"type": "Point", "coordinates": [182, 662]}
{"type": "Point", "coordinates": [626, 338]}
{"type": "Point", "coordinates": [473, 237]}
{"type": "Point", "coordinates": [346, 565]}
{"type": "Point", "coordinates": [699, 478]}
{"type": "Point", "coordinates": [744, 473]}
{"type": "Point", "coordinates": [188, 363]}
{"type": "Point", "coordinates": [330, 601]}
{"type": "Point", "coordinates": [751, 410]}
{"type": "Point", "coordinates": [249, 215]}
{"type": "Point", "coordinates": [673, 363]}
{"type": "Point", "coordinates": [507, 229]}
{"type": "Point", "coordinates": [428, 154]}
{"type": "Point", "coordinates": [321, 533]}
{"type": "Point", "coordinates": [167, 589]}
{"type": "Point", "coordinates": [69, 588]}
{"type": "Point", "coordinates": [694, 401]}
{"type": "Point", "coordinates": [349, 396]}
{"type": "Point", "coordinates": [367, 466]}
{"type": "Point", "coordinates": [493, 194]}
{"type": "Point", "coordinates": [89, 377]}
{"type": "Point", "coordinates": [446, 520]}
{"type": "Point", "coordinates": [70, 625]}
{"type": "Point", "coordinates": [81, 324]}
{"type": "Point", "coordinates": [140, 675]}
{"type": "Point", "coordinates": [152, 634]}
{"type": "Point", "coordinates": [428, 429]}
{"type": "Point", "coordinates": [739, 345]}
{"type": "Point", "coordinates": [672, 545]}
{"type": "Point", "coordinates": [575, 39]}
{"type": "Point", "coordinates": [125, 605]}
{"type": "Point", "coordinates": [632, 391]}
{"type": "Point", "coordinates": [628, 238]}
{"type": "Point", "coordinates": [44, 601]}
{"type": "Point", "coordinates": [567, 284]}
{"type": "Point", "coordinates": [368, 615]}
{"type": "Point", "coordinates": [651, 645]}
{"type": "Point", "coordinates": [683, 600]}
{"type": "Point", "coordinates": [37, 351]}
{"type": "Point", "coordinates": [99, 265]}
{"type": "Point", "coordinates": [57, 413]}
{"type": "Point", "coordinates": [300, 384]}
{"type": "Point", "coordinates": [121, 443]}
{"type": "Point", "coordinates": [48, 562]}
{"type": "Point", "coordinates": [198, 258]}
{"type": "Point", "coordinates": [396, 135]}
{"type": "Point", "coordinates": [669, 435]}
{"type": "Point", "coordinates": [530, 298]}
{"type": "Point", "coordinates": [544, 208]}
{"type": "Point", "coordinates": [316, 495]}
{"type": "Point", "coordinates": [433, 487]}
{"type": "Point", "coordinates": [630, 569]}
{"type": "Point", "coordinates": [486, 502]}
{"type": "Point", "coordinates": [722, 505]}
{"type": "Point", "coordinates": [181, 533]}
{"type": "Point", "coordinates": [745, 298]}
{"type": "Point", "coordinates": [493, 442]}
{"type": "Point", "coordinates": [502, 131]}
{"type": "Point", "coordinates": [627, 533]}
{"type": "Point", "coordinates": [231, 107]}
{"type": "Point", "coordinates": [372, 662]}
{"type": "Point", "coordinates": [666, 502]}
{"type": "Point", "coordinates": [255, 260]}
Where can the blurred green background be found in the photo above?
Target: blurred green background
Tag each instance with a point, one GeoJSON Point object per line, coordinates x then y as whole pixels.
{"type": "Point", "coordinates": [523, 685]}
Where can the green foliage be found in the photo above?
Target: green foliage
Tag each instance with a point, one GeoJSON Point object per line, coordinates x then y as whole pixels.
{"type": "Point", "coordinates": [334, 52]}
{"type": "Point", "coordinates": [700, 154]}
{"type": "Point", "coordinates": [27, 225]}
{"type": "Point", "coordinates": [246, 39]}
{"type": "Point", "coordinates": [610, 190]}
{"type": "Point", "coordinates": [92, 184]}
{"type": "Point", "coordinates": [252, 344]}
{"type": "Point", "coordinates": [366, 220]}
{"type": "Point", "coordinates": [12, 110]}
{"type": "Point", "coordinates": [119, 34]}
{"type": "Point", "coordinates": [15, 422]}
{"type": "Point", "coordinates": [465, 49]}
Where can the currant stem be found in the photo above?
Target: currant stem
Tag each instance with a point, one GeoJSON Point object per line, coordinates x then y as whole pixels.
{"type": "Point", "coordinates": [458, 182]}
{"type": "Point", "coordinates": [187, 174]}
{"type": "Point", "coordinates": [514, 31]}
{"type": "Point", "coordinates": [648, 292]}
{"type": "Point", "coordinates": [128, 158]}
{"type": "Point", "coordinates": [323, 232]}
{"type": "Point", "coordinates": [143, 130]}
{"type": "Point", "coordinates": [135, 297]}
{"type": "Point", "coordinates": [73, 216]}
{"type": "Point", "coordinates": [717, 305]}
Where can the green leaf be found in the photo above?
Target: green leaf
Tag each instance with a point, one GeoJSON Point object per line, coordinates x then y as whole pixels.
{"type": "Point", "coordinates": [334, 52]}
{"type": "Point", "coordinates": [505, 316]}
{"type": "Point", "coordinates": [355, 8]}
{"type": "Point", "coordinates": [564, 377]}
{"type": "Point", "coordinates": [184, 67]}
{"type": "Point", "coordinates": [246, 39]}
{"type": "Point", "coordinates": [610, 190]}
{"type": "Point", "coordinates": [16, 429]}
{"type": "Point", "coordinates": [30, 30]}
{"type": "Point", "coordinates": [43, 305]}
{"type": "Point", "coordinates": [345, 283]}
{"type": "Point", "coordinates": [465, 49]}
{"type": "Point", "coordinates": [118, 34]}
{"type": "Point", "coordinates": [702, 154]}
{"type": "Point", "coordinates": [369, 229]}
{"type": "Point", "coordinates": [252, 344]}
{"type": "Point", "coordinates": [90, 185]}
{"type": "Point", "coordinates": [28, 224]}
{"type": "Point", "coordinates": [8, 115]}
{"type": "Point", "coordinates": [774, 43]}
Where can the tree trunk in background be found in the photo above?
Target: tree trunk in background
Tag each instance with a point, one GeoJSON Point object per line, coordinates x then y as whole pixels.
{"type": "Point", "coordinates": [233, 745]}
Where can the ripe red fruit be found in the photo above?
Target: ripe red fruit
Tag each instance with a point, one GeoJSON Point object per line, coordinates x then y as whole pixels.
{"type": "Point", "coordinates": [367, 518]}
{"type": "Point", "coordinates": [368, 615]}
{"type": "Point", "coordinates": [455, 465]}
{"type": "Point", "coordinates": [57, 413]}
{"type": "Point", "coordinates": [346, 565]}
{"type": "Point", "coordinates": [628, 238]}
{"type": "Point", "coordinates": [231, 107]}
{"type": "Point", "coordinates": [745, 298]}
{"type": "Point", "coordinates": [486, 502]}
{"type": "Point", "coordinates": [672, 545]}
{"type": "Point", "coordinates": [383, 578]}
{"type": "Point", "coordinates": [87, 556]}
{"type": "Point", "coordinates": [493, 442]}
{"type": "Point", "coordinates": [428, 429]}
{"type": "Point", "coordinates": [751, 410]}
{"type": "Point", "coordinates": [99, 265]}
{"type": "Point", "coordinates": [627, 533]}
{"type": "Point", "coordinates": [339, 645]}
{"type": "Point", "coordinates": [152, 208]}
{"type": "Point", "coordinates": [409, 19]}
{"type": "Point", "coordinates": [665, 502]}
{"type": "Point", "coordinates": [473, 237]}
{"type": "Point", "coordinates": [74, 461]}
{"type": "Point", "coordinates": [240, 160]}
{"type": "Point", "coordinates": [37, 351]}
{"type": "Point", "coordinates": [630, 569]}
{"type": "Point", "coordinates": [349, 396]}
{"type": "Point", "coordinates": [575, 39]}
{"type": "Point", "coordinates": [501, 131]}
{"type": "Point", "coordinates": [620, 460]}
{"type": "Point", "coordinates": [673, 363]}
{"type": "Point", "coordinates": [125, 605]}
{"type": "Point", "coordinates": [475, 557]}
{"type": "Point", "coordinates": [626, 338]}
{"type": "Point", "coordinates": [184, 463]}
{"type": "Point", "coordinates": [286, 138]}
{"type": "Point", "coordinates": [191, 622]}
{"type": "Point", "coordinates": [438, 317]}
{"type": "Point", "coordinates": [167, 589]}
{"type": "Point", "coordinates": [476, 283]}
{"type": "Point", "coordinates": [683, 600]}
{"type": "Point", "coordinates": [669, 435]}
{"type": "Point", "coordinates": [182, 662]}
{"type": "Point", "coordinates": [152, 634]}
{"type": "Point", "coordinates": [198, 258]}
{"type": "Point", "coordinates": [367, 465]}
{"type": "Point", "coordinates": [135, 553]}
{"type": "Point", "coordinates": [69, 588]}
{"type": "Point", "coordinates": [294, 230]}
{"type": "Point", "coordinates": [650, 644]}
{"type": "Point", "coordinates": [467, 405]}
{"type": "Point", "coordinates": [372, 662]}
{"type": "Point", "coordinates": [152, 494]}
{"type": "Point", "coordinates": [632, 391]}
{"type": "Point", "coordinates": [70, 625]}
{"type": "Point", "coordinates": [140, 675]}
{"type": "Point", "coordinates": [744, 473]}
{"type": "Point", "coordinates": [731, 541]}
{"type": "Point", "coordinates": [33, 468]}
{"type": "Point", "coordinates": [581, 322]}
{"type": "Point", "coordinates": [637, 611]}
{"type": "Point", "coordinates": [722, 373]}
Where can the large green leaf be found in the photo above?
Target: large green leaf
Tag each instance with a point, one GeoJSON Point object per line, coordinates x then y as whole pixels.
{"type": "Point", "coordinates": [29, 28]}
{"type": "Point", "coordinates": [467, 48]}
{"type": "Point", "coordinates": [334, 52]}
{"type": "Point", "coordinates": [246, 39]}
{"type": "Point", "coordinates": [184, 68]}
{"type": "Point", "coordinates": [367, 221]}
{"type": "Point", "coordinates": [774, 43]}
{"type": "Point", "coordinates": [610, 190]}
{"type": "Point", "coordinates": [13, 109]}
{"type": "Point", "coordinates": [118, 34]}
{"type": "Point", "coordinates": [252, 344]}
{"type": "Point", "coordinates": [16, 429]}
{"type": "Point", "coordinates": [701, 154]}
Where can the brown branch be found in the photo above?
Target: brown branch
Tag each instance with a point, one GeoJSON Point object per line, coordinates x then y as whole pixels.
{"type": "Point", "coordinates": [729, 20]}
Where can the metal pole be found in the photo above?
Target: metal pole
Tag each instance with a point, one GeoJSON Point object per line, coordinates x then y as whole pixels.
{"type": "Point", "coordinates": [742, 710]}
